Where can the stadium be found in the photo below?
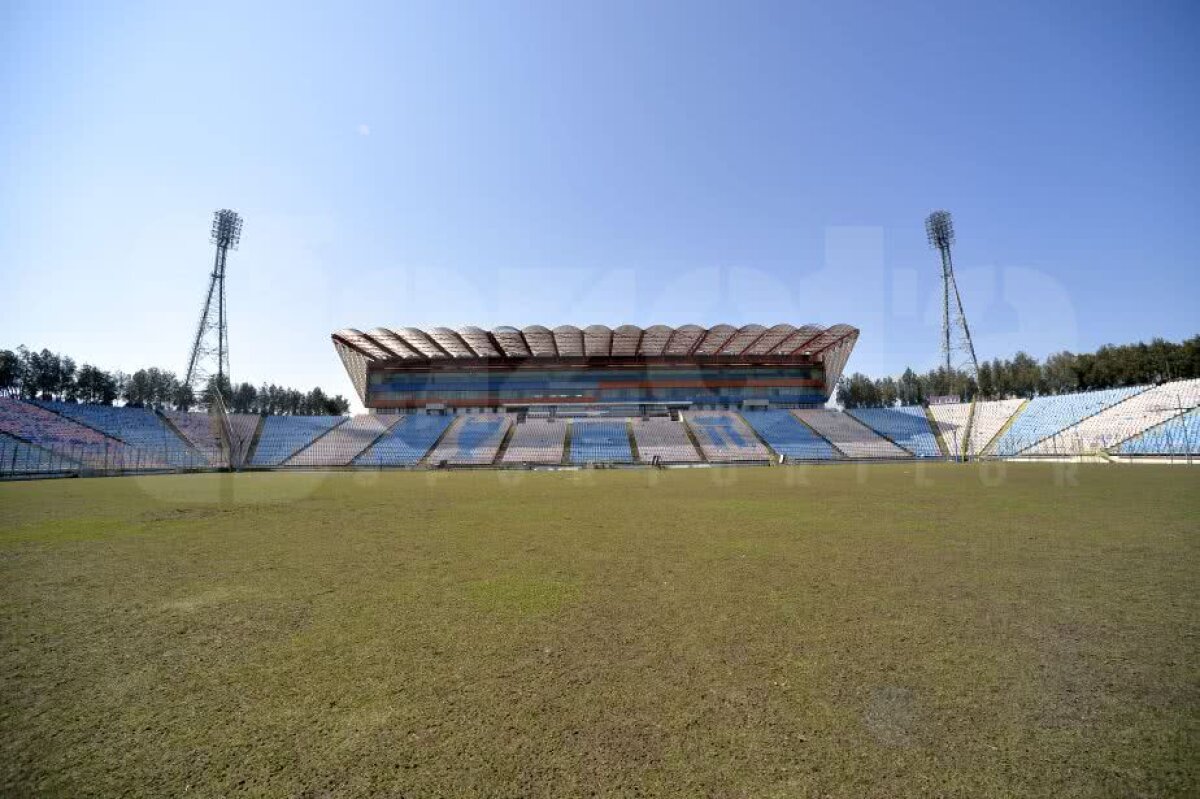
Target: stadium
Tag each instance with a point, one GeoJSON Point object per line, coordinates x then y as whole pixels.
{"type": "Point", "coordinates": [590, 413]}
{"type": "Point", "coordinates": [600, 396]}
{"type": "Point", "coordinates": [617, 560]}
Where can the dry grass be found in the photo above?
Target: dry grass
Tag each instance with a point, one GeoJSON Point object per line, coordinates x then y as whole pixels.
{"type": "Point", "coordinates": [836, 631]}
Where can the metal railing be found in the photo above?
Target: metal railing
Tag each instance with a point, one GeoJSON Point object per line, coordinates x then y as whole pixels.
{"type": "Point", "coordinates": [19, 459]}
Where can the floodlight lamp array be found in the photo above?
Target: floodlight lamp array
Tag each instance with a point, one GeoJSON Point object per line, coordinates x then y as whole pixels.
{"type": "Point", "coordinates": [940, 229]}
{"type": "Point", "coordinates": [226, 229]}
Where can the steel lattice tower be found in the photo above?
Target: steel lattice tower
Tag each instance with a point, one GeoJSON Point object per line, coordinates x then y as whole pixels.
{"type": "Point", "coordinates": [210, 349]}
{"type": "Point", "coordinates": [958, 351]}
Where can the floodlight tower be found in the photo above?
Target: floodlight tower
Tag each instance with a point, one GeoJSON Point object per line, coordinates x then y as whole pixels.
{"type": "Point", "coordinates": [210, 349]}
{"type": "Point", "coordinates": [957, 349]}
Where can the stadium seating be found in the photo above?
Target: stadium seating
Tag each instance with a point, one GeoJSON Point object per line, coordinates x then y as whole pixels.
{"type": "Point", "coordinates": [344, 443]}
{"type": "Point", "coordinates": [851, 437]}
{"type": "Point", "coordinates": [784, 433]}
{"type": "Point", "coordinates": [472, 440]}
{"type": "Point", "coordinates": [283, 436]}
{"type": "Point", "coordinates": [907, 426]}
{"type": "Point", "coordinates": [1124, 420]}
{"type": "Point", "coordinates": [28, 422]}
{"type": "Point", "coordinates": [1045, 416]}
{"type": "Point", "coordinates": [536, 441]}
{"type": "Point", "coordinates": [1177, 436]}
{"type": "Point", "coordinates": [664, 439]}
{"type": "Point", "coordinates": [725, 438]}
{"type": "Point", "coordinates": [408, 441]}
{"type": "Point", "coordinates": [140, 428]}
{"type": "Point", "coordinates": [952, 421]}
{"type": "Point", "coordinates": [600, 441]}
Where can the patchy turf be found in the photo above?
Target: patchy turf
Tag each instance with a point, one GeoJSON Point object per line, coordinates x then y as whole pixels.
{"type": "Point", "coordinates": [840, 631]}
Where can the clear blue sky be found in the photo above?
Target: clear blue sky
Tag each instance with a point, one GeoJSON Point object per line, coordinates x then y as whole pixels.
{"type": "Point", "coordinates": [517, 163]}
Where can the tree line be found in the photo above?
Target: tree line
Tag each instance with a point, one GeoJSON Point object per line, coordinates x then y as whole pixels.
{"type": "Point", "coordinates": [1111, 366]}
{"type": "Point", "coordinates": [47, 375]}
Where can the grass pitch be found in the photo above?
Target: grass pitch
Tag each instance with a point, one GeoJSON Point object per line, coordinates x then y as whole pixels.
{"type": "Point", "coordinates": [839, 631]}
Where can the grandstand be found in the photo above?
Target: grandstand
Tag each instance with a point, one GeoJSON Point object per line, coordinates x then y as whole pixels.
{"type": "Point", "coordinates": [472, 440]}
{"type": "Point", "coordinates": [600, 441]}
{"type": "Point", "coordinates": [661, 440]}
{"type": "Point", "coordinates": [66, 438]}
{"type": "Point", "coordinates": [536, 441]}
{"type": "Point", "coordinates": [787, 436]}
{"type": "Point", "coordinates": [725, 438]}
{"type": "Point", "coordinates": [626, 371]}
{"type": "Point", "coordinates": [849, 436]}
{"type": "Point", "coordinates": [1045, 416]}
{"type": "Point", "coordinates": [906, 426]}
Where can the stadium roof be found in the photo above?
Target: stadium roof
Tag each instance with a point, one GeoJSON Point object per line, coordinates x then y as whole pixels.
{"type": "Point", "coordinates": [413, 346]}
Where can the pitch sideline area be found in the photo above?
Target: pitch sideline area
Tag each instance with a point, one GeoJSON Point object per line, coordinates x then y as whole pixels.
{"type": "Point", "coordinates": [892, 630]}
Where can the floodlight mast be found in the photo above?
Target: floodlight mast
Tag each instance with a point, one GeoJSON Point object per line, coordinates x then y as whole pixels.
{"type": "Point", "coordinates": [956, 335]}
{"type": "Point", "coordinates": [210, 347]}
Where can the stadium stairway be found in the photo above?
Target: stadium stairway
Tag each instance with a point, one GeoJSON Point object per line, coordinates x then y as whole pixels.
{"type": "Point", "coordinates": [251, 444]}
{"type": "Point", "coordinates": [634, 452]}
{"type": "Point", "coordinates": [986, 433]}
{"type": "Point", "coordinates": [691, 434]}
{"type": "Point", "coordinates": [937, 433]}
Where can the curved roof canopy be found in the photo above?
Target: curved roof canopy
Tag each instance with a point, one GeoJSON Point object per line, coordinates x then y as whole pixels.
{"type": "Point", "coordinates": [830, 346]}
{"type": "Point", "coordinates": [595, 341]}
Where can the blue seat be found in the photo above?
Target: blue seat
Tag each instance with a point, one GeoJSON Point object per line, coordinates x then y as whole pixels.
{"type": "Point", "coordinates": [785, 434]}
{"type": "Point", "coordinates": [1045, 416]}
{"type": "Point", "coordinates": [907, 425]}
{"type": "Point", "coordinates": [140, 428]}
{"type": "Point", "coordinates": [406, 443]}
{"type": "Point", "coordinates": [1177, 436]}
{"type": "Point", "coordinates": [283, 436]}
{"type": "Point", "coordinates": [600, 442]}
